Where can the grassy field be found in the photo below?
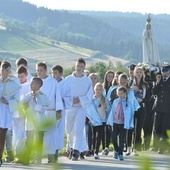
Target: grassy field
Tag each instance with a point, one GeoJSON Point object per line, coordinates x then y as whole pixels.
{"type": "Point", "coordinates": [16, 43]}
{"type": "Point", "coordinates": [36, 48]}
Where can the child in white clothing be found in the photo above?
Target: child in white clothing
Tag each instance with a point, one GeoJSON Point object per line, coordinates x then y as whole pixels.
{"type": "Point", "coordinates": [18, 118]}
{"type": "Point", "coordinates": [9, 97]}
{"type": "Point", "coordinates": [35, 104]}
{"type": "Point", "coordinates": [67, 100]}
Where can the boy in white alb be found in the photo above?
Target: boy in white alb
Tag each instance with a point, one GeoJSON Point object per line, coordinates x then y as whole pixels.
{"type": "Point", "coordinates": [35, 104]}
{"type": "Point", "coordinates": [9, 97]}
{"type": "Point", "coordinates": [82, 90]}
{"type": "Point", "coordinates": [50, 88]}
{"type": "Point", "coordinates": [67, 99]}
{"type": "Point", "coordinates": [19, 134]}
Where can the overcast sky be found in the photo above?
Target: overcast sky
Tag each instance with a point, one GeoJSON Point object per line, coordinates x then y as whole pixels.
{"type": "Point", "coordinates": [141, 6]}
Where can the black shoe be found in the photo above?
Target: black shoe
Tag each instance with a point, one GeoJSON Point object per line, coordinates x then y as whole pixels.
{"type": "Point", "coordinates": [56, 156]}
{"type": "Point", "coordinates": [90, 153]}
{"type": "Point", "coordinates": [75, 155]}
{"type": "Point", "coordinates": [81, 155]}
{"type": "Point", "coordinates": [87, 154]}
{"type": "Point", "coordinates": [128, 153]}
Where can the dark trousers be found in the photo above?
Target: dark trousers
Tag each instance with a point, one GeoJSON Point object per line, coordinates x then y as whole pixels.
{"type": "Point", "coordinates": [89, 135]}
{"type": "Point", "coordinates": [97, 137]}
{"type": "Point", "coordinates": [138, 124]}
{"type": "Point", "coordinates": [155, 138]}
{"type": "Point", "coordinates": [118, 130]}
{"type": "Point", "coordinates": [148, 128]}
{"type": "Point", "coordinates": [2, 140]}
{"type": "Point", "coordinates": [90, 138]}
{"type": "Point", "coordinates": [129, 135]}
{"type": "Point", "coordinates": [107, 132]}
{"type": "Point", "coordinates": [162, 124]}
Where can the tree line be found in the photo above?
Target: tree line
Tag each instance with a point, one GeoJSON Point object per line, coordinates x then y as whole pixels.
{"type": "Point", "coordinates": [117, 34]}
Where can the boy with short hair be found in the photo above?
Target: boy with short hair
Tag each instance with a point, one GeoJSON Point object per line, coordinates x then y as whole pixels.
{"type": "Point", "coordinates": [36, 103]}
{"type": "Point", "coordinates": [19, 119]}
{"type": "Point", "coordinates": [50, 88]}
{"type": "Point", "coordinates": [82, 91]}
{"type": "Point", "coordinates": [9, 97]}
{"type": "Point", "coordinates": [67, 99]}
{"type": "Point", "coordinates": [23, 61]}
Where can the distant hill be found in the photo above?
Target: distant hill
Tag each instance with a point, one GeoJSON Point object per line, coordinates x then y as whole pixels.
{"type": "Point", "coordinates": [37, 48]}
{"type": "Point", "coordinates": [111, 33]}
{"type": "Point", "coordinates": [134, 23]}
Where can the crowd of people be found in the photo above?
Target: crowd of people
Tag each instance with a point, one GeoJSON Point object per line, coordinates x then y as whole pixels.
{"type": "Point", "coordinates": [126, 110]}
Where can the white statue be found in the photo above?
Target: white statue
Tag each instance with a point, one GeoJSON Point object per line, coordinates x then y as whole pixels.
{"type": "Point", "coordinates": [150, 51]}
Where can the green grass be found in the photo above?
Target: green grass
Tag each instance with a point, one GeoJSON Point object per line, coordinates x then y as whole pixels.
{"type": "Point", "coordinates": [36, 48]}
{"type": "Point", "coordinates": [14, 43]}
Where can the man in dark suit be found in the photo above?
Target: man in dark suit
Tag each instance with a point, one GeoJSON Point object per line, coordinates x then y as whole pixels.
{"type": "Point", "coordinates": [131, 76]}
{"type": "Point", "coordinates": [162, 107]}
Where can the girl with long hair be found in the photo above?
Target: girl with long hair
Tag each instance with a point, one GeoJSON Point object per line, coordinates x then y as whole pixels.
{"type": "Point", "coordinates": [140, 88]}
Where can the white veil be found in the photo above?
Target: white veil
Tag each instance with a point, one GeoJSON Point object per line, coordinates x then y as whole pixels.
{"type": "Point", "coordinates": [150, 51]}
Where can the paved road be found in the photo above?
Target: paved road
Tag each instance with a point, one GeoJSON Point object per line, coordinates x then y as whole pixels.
{"type": "Point", "coordinates": [157, 162]}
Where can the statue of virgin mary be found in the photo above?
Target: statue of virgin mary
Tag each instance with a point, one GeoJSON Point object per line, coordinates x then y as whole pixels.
{"type": "Point", "coordinates": [150, 51]}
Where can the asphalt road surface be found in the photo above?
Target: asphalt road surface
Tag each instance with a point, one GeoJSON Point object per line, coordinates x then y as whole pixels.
{"type": "Point", "coordinates": [154, 160]}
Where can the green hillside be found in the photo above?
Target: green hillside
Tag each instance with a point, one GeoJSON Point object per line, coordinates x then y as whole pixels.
{"type": "Point", "coordinates": [36, 48]}
{"type": "Point", "coordinates": [14, 43]}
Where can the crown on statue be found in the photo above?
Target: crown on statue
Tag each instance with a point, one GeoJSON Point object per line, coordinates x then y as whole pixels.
{"type": "Point", "coordinates": [149, 19]}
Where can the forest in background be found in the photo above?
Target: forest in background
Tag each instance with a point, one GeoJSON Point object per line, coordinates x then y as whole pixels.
{"type": "Point", "coordinates": [113, 33]}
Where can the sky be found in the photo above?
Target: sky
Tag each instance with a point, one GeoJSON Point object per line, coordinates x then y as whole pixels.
{"type": "Point", "coordinates": [140, 6]}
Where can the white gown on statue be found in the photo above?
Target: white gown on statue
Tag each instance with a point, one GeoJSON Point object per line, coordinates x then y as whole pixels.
{"type": "Point", "coordinates": [150, 51]}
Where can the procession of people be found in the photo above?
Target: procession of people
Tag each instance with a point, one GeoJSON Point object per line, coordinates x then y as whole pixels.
{"type": "Point", "coordinates": [127, 111]}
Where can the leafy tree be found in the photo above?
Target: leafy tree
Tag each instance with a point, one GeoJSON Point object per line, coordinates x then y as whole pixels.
{"type": "Point", "coordinates": [120, 67]}
{"type": "Point", "coordinates": [68, 71]}
{"type": "Point", "coordinates": [101, 68]}
{"type": "Point", "coordinates": [42, 25]}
